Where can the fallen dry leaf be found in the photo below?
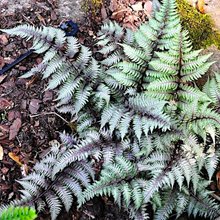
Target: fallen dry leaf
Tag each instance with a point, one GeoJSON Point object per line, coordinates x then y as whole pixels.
{"type": "Point", "coordinates": [2, 77]}
{"type": "Point", "coordinates": [5, 104]}
{"type": "Point", "coordinates": [218, 179]}
{"type": "Point", "coordinates": [131, 13]}
{"type": "Point", "coordinates": [34, 106]}
{"type": "Point", "coordinates": [8, 84]}
{"type": "Point", "coordinates": [14, 128]}
{"type": "Point", "coordinates": [15, 158]}
{"type": "Point", "coordinates": [4, 170]}
{"type": "Point", "coordinates": [4, 130]}
{"type": "Point", "coordinates": [2, 62]}
{"type": "Point", "coordinates": [53, 16]}
{"type": "Point", "coordinates": [13, 115]}
{"type": "Point", "coordinates": [3, 39]}
{"type": "Point", "coordinates": [103, 12]}
{"type": "Point", "coordinates": [1, 153]}
{"type": "Point", "coordinates": [48, 96]}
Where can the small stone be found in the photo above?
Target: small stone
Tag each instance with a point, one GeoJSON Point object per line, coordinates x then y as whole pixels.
{"type": "Point", "coordinates": [36, 123]}
{"type": "Point", "coordinates": [48, 96]}
{"type": "Point", "coordinates": [39, 60]}
{"type": "Point", "coordinates": [22, 68]}
{"type": "Point", "coordinates": [9, 47]}
{"type": "Point", "coordinates": [53, 16]}
{"type": "Point", "coordinates": [2, 62]}
{"type": "Point", "coordinates": [34, 106]}
{"type": "Point", "coordinates": [3, 39]}
{"type": "Point", "coordinates": [23, 104]}
{"type": "Point", "coordinates": [91, 33]}
{"type": "Point", "coordinates": [13, 115]}
{"type": "Point", "coordinates": [8, 60]}
{"type": "Point", "coordinates": [4, 170]}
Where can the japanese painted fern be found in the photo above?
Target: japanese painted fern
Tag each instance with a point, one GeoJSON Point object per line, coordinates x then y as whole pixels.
{"type": "Point", "coordinates": [138, 114]}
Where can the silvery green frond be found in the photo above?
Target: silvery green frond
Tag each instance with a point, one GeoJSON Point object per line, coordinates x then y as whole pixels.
{"type": "Point", "coordinates": [59, 77]}
{"type": "Point", "coordinates": [103, 93]}
{"type": "Point", "coordinates": [82, 97]}
{"type": "Point", "coordinates": [24, 31]}
{"type": "Point", "coordinates": [125, 124]}
{"type": "Point", "coordinates": [54, 204]}
{"type": "Point", "coordinates": [73, 47]}
{"type": "Point", "coordinates": [34, 70]}
{"type": "Point", "coordinates": [167, 208]}
{"type": "Point", "coordinates": [54, 65]}
{"type": "Point", "coordinates": [83, 58]}
{"type": "Point", "coordinates": [175, 72]}
{"type": "Point", "coordinates": [212, 89]}
{"type": "Point", "coordinates": [69, 87]}
{"type": "Point", "coordinates": [112, 173]}
{"type": "Point", "coordinates": [112, 59]}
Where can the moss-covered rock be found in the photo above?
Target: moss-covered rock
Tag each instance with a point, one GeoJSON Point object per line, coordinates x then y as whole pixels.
{"type": "Point", "coordinates": [200, 26]}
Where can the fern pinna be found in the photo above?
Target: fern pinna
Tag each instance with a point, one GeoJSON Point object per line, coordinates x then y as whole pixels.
{"type": "Point", "coordinates": [138, 113]}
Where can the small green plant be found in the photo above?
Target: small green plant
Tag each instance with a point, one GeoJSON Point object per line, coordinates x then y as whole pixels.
{"type": "Point", "coordinates": [18, 213]}
{"type": "Point", "coordinates": [3, 116]}
{"type": "Point", "coordinates": [200, 26]}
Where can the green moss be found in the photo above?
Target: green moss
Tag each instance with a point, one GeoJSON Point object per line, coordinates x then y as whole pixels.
{"type": "Point", "coordinates": [200, 26]}
{"type": "Point", "coordinates": [92, 6]}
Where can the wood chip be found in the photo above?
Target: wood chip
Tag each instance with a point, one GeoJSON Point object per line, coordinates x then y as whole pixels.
{"type": "Point", "coordinates": [15, 158]}
{"type": "Point", "coordinates": [2, 62]}
{"type": "Point", "coordinates": [3, 39]}
{"type": "Point", "coordinates": [34, 106]}
{"type": "Point", "coordinates": [5, 104]}
{"type": "Point", "coordinates": [2, 77]}
{"type": "Point", "coordinates": [14, 128]}
{"type": "Point", "coordinates": [1, 153]}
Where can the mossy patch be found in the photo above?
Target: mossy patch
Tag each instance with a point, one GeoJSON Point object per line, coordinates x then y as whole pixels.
{"type": "Point", "coordinates": [200, 26]}
{"type": "Point", "coordinates": [92, 6]}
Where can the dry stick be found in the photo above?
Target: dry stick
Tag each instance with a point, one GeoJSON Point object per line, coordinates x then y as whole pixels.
{"type": "Point", "coordinates": [215, 197]}
{"type": "Point", "coordinates": [50, 113]}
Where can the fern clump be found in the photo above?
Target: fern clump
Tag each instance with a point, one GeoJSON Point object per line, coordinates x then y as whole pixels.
{"type": "Point", "coordinates": [137, 112]}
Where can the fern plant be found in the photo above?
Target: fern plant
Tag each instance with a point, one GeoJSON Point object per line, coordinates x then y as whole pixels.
{"type": "Point", "coordinates": [138, 114]}
{"type": "Point", "coordinates": [18, 213]}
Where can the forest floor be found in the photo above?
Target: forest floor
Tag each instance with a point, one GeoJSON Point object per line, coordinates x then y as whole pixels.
{"type": "Point", "coordinates": [28, 121]}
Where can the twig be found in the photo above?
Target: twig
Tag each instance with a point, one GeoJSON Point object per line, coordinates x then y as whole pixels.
{"type": "Point", "coordinates": [216, 197]}
{"type": "Point", "coordinates": [50, 113]}
{"type": "Point", "coordinates": [28, 20]}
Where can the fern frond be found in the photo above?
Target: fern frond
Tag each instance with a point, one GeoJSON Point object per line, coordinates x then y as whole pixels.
{"type": "Point", "coordinates": [175, 72]}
